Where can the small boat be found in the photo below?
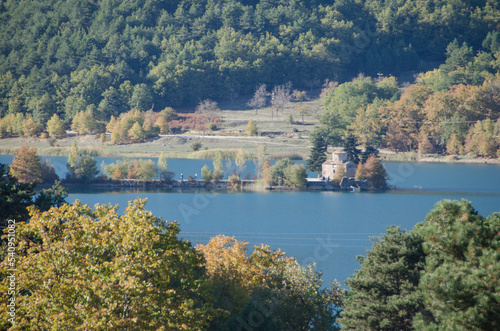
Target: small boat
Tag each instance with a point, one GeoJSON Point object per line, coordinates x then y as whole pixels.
{"type": "Point", "coordinates": [354, 189]}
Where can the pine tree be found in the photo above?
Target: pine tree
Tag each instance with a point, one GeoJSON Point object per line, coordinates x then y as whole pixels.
{"type": "Point", "coordinates": [14, 198]}
{"type": "Point", "coordinates": [317, 155]}
{"type": "Point", "coordinates": [460, 279]}
{"type": "Point", "coordinates": [349, 145]}
{"type": "Point", "coordinates": [72, 160]}
{"type": "Point", "coordinates": [384, 291]}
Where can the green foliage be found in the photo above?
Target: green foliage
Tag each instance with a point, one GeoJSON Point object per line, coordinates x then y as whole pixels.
{"type": "Point", "coordinates": [82, 168]}
{"type": "Point", "coordinates": [461, 250]}
{"type": "Point", "coordinates": [55, 126]}
{"type": "Point", "coordinates": [317, 155]}
{"type": "Point", "coordinates": [147, 170]}
{"type": "Point", "coordinates": [196, 146]}
{"type": "Point", "coordinates": [251, 128]}
{"type": "Point", "coordinates": [86, 169]}
{"type": "Point", "coordinates": [341, 104]}
{"type": "Point", "coordinates": [440, 276]}
{"type": "Point", "coordinates": [129, 271]}
{"type": "Point", "coordinates": [350, 147]}
{"type": "Point", "coordinates": [384, 291]}
{"type": "Point", "coordinates": [15, 197]}
{"type": "Point", "coordinates": [206, 174]}
{"type": "Point", "coordinates": [295, 175]}
{"type": "Point", "coordinates": [51, 197]}
{"type": "Point", "coordinates": [278, 171]}
{"type": "Point", "coordinates": [167, 53]}
{"type": "Point", "coordinates": [162, 168]}
{"type": "Point", "coordinates": [48, 172]}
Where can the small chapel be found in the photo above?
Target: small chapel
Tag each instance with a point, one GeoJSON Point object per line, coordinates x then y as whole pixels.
{"type": "Point", "coordinates": [339, 159]}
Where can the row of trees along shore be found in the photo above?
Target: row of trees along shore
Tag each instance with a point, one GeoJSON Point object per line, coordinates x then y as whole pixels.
{"type": "Point", "coordinates": [81, 268]}
{"type": "Point", "coordinates": [28, 168]}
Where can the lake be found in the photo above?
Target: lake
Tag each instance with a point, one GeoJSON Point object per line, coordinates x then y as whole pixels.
{"type": "Point", "coordinates": [326, 228]}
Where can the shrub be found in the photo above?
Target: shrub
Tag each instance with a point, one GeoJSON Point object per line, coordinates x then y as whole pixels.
{"type": "Point", "coordinates": [212, 126]}
{"type": "Point", "coordinates": [251, 128]}
{"type": "Point", "coordinates": [196, 146]}
{"type": "Point", "coordinates": [206, 174]}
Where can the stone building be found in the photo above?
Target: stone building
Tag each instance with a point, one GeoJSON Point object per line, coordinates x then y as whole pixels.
{"type": "Point", "coordinates": [339, 159]}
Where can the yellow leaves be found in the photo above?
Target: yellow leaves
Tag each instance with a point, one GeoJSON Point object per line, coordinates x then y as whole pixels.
{"type": "Point", "coordinates": [90, 265]}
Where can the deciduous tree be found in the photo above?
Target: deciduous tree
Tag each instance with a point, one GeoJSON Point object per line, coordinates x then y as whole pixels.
{"type": "Point", "coordinates": [102, 270]}
{"type": "Point", "coordinates": [26, 166]}
{"type": "Point", "coordinates": [55, 126]}
{"type": "Point", "coordinates": [259, 98]}
{"type": "Point", "coordinates": [251, 128]}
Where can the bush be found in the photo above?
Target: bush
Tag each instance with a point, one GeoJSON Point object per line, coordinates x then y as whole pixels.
{"type": "Point", "coordinates": [234, 180]}
{"type": "Point", "coordinates": [196, 146]}
{"type": "Point", "coordinates": [52, 141]}
{"type": "Point", "coordinates": [206, 174]}
{"type": "Point", "coordinates": [251, 128]}
{"type": "Point", "coordinates": [212, 126]}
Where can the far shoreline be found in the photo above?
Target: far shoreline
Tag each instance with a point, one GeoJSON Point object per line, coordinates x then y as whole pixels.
{"type": "Point", "coordinates": [92, 146]}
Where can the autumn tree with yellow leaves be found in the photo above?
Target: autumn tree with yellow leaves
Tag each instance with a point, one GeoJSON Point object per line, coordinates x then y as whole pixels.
{"type": "Point", "coordinates": [83, 268]}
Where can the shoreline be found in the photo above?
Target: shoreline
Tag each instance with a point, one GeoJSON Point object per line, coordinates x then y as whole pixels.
{"type": "Point", "coordinates": [174, 150]}
{"type": "Point", "coordinates": [202, 186]}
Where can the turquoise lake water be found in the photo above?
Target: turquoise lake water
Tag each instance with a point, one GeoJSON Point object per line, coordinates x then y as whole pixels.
{"type": "Point", "coordinates": [326, 228]}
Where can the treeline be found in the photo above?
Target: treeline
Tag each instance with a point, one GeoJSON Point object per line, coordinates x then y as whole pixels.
{"type": "Point", "coordinates": [453, 109]}
{"type": "Point", "coordinates": [134, 271]}
{"type": "Point", "coordinates": [65, 57]}
{"type": "Point", "coordinates": [442, 275]}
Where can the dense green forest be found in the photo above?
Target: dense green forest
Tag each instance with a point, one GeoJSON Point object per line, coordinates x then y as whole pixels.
{"type": "Point", "coordinates": [68, 56]}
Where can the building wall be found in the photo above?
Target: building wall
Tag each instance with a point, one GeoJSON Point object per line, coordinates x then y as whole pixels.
{"type": "Point", "coordinates": [328, 170]}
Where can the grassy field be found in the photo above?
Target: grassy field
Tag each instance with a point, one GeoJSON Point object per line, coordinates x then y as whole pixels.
{"type": "Point", "coordinates": [281, 138]}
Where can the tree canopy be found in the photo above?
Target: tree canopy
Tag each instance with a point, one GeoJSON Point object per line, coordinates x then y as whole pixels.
{"type": "Point", "coordinates": [66, 57]}
{"type": "Point", "coordinates": [442, 275]}
{"type": "Point", "coordinates": [102, 270]}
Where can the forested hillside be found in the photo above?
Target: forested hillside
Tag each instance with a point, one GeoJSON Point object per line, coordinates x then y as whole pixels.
{"type": "Point", "coordinates": [109, 56]}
